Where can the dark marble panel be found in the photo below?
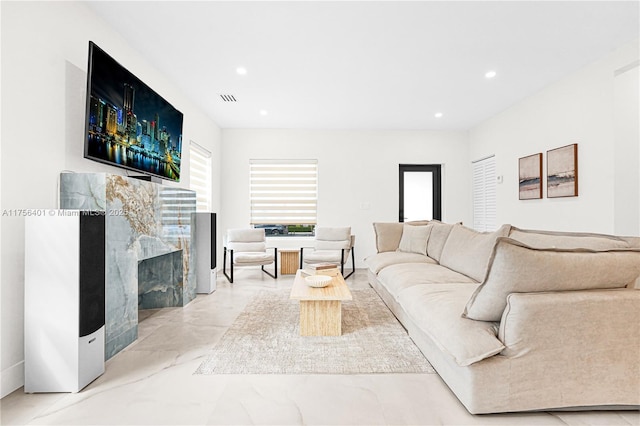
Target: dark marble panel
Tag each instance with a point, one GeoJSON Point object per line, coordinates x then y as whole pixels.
{"type": "Point", "coordinates": [160, 281]}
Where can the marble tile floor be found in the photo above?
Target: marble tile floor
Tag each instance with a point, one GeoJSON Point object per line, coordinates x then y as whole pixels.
{"type": "Point", "coordinates": [151, 382]}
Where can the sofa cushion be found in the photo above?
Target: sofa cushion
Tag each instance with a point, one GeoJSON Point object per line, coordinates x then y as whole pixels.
{"type": "Point", "coordinates": [379, 261]}
{"type": "Point", "coordinates": [517, 268]}
{"type": "Point", "coordinates": [468, 251]}
{"type": "Point", "coordinates": [245, 235]}
{"type": "Point", "coordinates": [401, 276]}
{"type": "Point", "coordinates": [437, 238]}
{"type": "Point", "coordinates": [414, 239]}
{"type": "Point", "coordinates": [332, 238]}
{"type": "Point", "coordinates": [253, 258]}
{"type": "Point", "coordinates": [246, 240]}
{"type": "Point", "coordinates": [567, 240]}
{"type": "Point", "coordinates": [435, 309]}
{"type": "Point", "coordinates": [242, 247]}
{"type": "Point", "coordinates": [388, 235]}
{"type": "Point", "coordinates": [329, 233]}
{"type": "Point", "coordinates": [322, 256]}
{"type": "Point", "coordinates": [530, 320]}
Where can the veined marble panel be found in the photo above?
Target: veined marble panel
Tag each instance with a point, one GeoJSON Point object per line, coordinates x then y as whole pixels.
{"type": "Point", "coordinates": [83, 191]}
{"type": "Point", "coordinates": [144, 220]}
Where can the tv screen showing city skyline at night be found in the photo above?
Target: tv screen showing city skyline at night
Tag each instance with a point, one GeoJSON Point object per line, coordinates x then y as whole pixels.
{"type": "Point", "coordinates": [127, 123]}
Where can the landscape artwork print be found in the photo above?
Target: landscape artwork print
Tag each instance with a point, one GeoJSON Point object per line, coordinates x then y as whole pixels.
{"type": "Point", "coordinates": [530, 173]}
{"type": "Point", "coordinates": [562, 172]}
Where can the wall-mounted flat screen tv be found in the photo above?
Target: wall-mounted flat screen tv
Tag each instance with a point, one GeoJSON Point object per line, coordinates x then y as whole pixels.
{"type": "Point", "coordinates": [127, 123]}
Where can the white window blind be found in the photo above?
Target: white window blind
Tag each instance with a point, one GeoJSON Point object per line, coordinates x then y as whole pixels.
{"type": "Point", "coordinates": [484, 195]}
{"type": "Point", "coordinates": [284, 192]}
{"type": "Point", "coordinates": [176, 204]}
{"type": "Point", "coordinates": [200, 175]}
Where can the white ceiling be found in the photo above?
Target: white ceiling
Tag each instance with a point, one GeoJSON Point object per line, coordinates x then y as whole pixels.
{"type": "Point", "coordinates": [368, 65]}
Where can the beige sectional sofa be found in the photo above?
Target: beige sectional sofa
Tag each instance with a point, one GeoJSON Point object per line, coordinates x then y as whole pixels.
{"type": "Point", "coordinates": [517, 320]}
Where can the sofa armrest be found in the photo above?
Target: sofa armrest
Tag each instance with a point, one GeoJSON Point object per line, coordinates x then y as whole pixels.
{"type": "Point", "coordinates": [576, 331]}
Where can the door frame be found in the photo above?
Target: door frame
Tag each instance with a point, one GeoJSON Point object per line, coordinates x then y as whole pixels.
{"type": "Point", "coordinates": [436, 170]}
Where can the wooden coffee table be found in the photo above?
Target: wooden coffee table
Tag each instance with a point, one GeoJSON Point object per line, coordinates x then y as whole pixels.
{"type": "Point", "coordinates": [320, 308]}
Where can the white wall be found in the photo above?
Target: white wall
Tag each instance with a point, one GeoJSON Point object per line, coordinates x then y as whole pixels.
{"type": "Point", "coordinates": [44, 61]}
{"type": "Point", "coordinates": [627, 150]}
{"type": "Point", "coordinates": [356, 169]}
{"type": "Point", "coordinates": [578, 109]}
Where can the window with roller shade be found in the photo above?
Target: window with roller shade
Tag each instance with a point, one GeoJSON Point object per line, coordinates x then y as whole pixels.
{"type": "Point", "coordinates": [200, 176]}
{"type": "Point", "coordinates": [484, 194]}
{"type": "Point", "coordinates": [284, 196]}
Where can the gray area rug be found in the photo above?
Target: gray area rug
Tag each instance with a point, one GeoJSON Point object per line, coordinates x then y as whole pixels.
{"type": "Point", "coordinates": [265, 339]}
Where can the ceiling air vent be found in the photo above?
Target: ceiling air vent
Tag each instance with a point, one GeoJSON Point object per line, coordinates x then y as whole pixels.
{"type": "Point", "coordinates": [228, 98]}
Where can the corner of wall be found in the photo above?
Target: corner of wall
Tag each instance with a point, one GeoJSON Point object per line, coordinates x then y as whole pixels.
{"type": "Point", "coordinates": [11, 378]}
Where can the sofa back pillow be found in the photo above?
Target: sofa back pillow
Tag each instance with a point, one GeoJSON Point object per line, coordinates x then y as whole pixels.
{"type": "Point", "coordinates": [517, 268]}
{"type": "Point", "coordinates": [567, 240]}
{"type": "Point", "coordinates": [388, 235]}
{"type": "Point", "coordinates": [438, 236]}
{"type": "Point", "coordinates": [418, 222]}
{"type": "Point", "coordinates": [414, 239]}
{"type": "Point", "coordinates": [468, 251]}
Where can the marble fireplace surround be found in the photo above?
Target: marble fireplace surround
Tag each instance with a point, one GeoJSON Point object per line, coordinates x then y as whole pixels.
{"type": "Point", "coordinates": [144, 221]}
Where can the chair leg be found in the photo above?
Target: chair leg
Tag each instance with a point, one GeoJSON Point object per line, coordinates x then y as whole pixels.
{"type": "Point", "coordinates": [224, 265]}
{"type": "Point", "coordinates": [275, 264]}
{"type": "Point", "coordinates": [353, 263]}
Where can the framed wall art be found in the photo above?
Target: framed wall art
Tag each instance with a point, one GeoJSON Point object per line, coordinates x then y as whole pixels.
{"type": "Point", "coordinates": [530, 174]}
{"type": "Point", "coordinates": [562, 171]}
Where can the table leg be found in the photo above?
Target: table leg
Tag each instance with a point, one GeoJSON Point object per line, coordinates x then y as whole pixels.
{"type": "Point", "coordinates": [320, 318]}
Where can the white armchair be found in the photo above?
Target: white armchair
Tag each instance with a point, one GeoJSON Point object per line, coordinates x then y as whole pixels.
{"type": "Point", "coordinates": [331, 244]}
{"type": "Point", "coordinates": [247, 247]}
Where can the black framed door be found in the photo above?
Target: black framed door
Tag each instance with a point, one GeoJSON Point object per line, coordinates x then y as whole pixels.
{"type": "Point", "coordinates": [420, 192]}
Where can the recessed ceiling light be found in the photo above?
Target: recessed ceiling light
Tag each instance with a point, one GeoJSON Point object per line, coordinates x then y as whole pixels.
{"type": "Point", "coordinates": [438, 115]}
{"type": "Point", "coordinates": [263, 112]}
{"type": "Point", "coordinates": [241, 71]}
{"type": "Point", "coordinates": [490, 74]}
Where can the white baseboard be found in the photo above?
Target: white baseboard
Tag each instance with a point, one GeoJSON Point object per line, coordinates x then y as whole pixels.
{"type": "Point", "coordinates": [11, 378]}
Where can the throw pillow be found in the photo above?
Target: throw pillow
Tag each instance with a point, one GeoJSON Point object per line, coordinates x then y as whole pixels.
{"type": "Point", "coordinates": [418, 222]}
{"type": "Point", "coordinates": [388, 235]}
{"type": "Point", "coordinates": [439, 234]}
{"type": "Point", "coordinates": [517, 268]}
{"type": "Point", "coordinates": [468, 251]}
{"type": "Point", "coordinates": [414, 239]}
